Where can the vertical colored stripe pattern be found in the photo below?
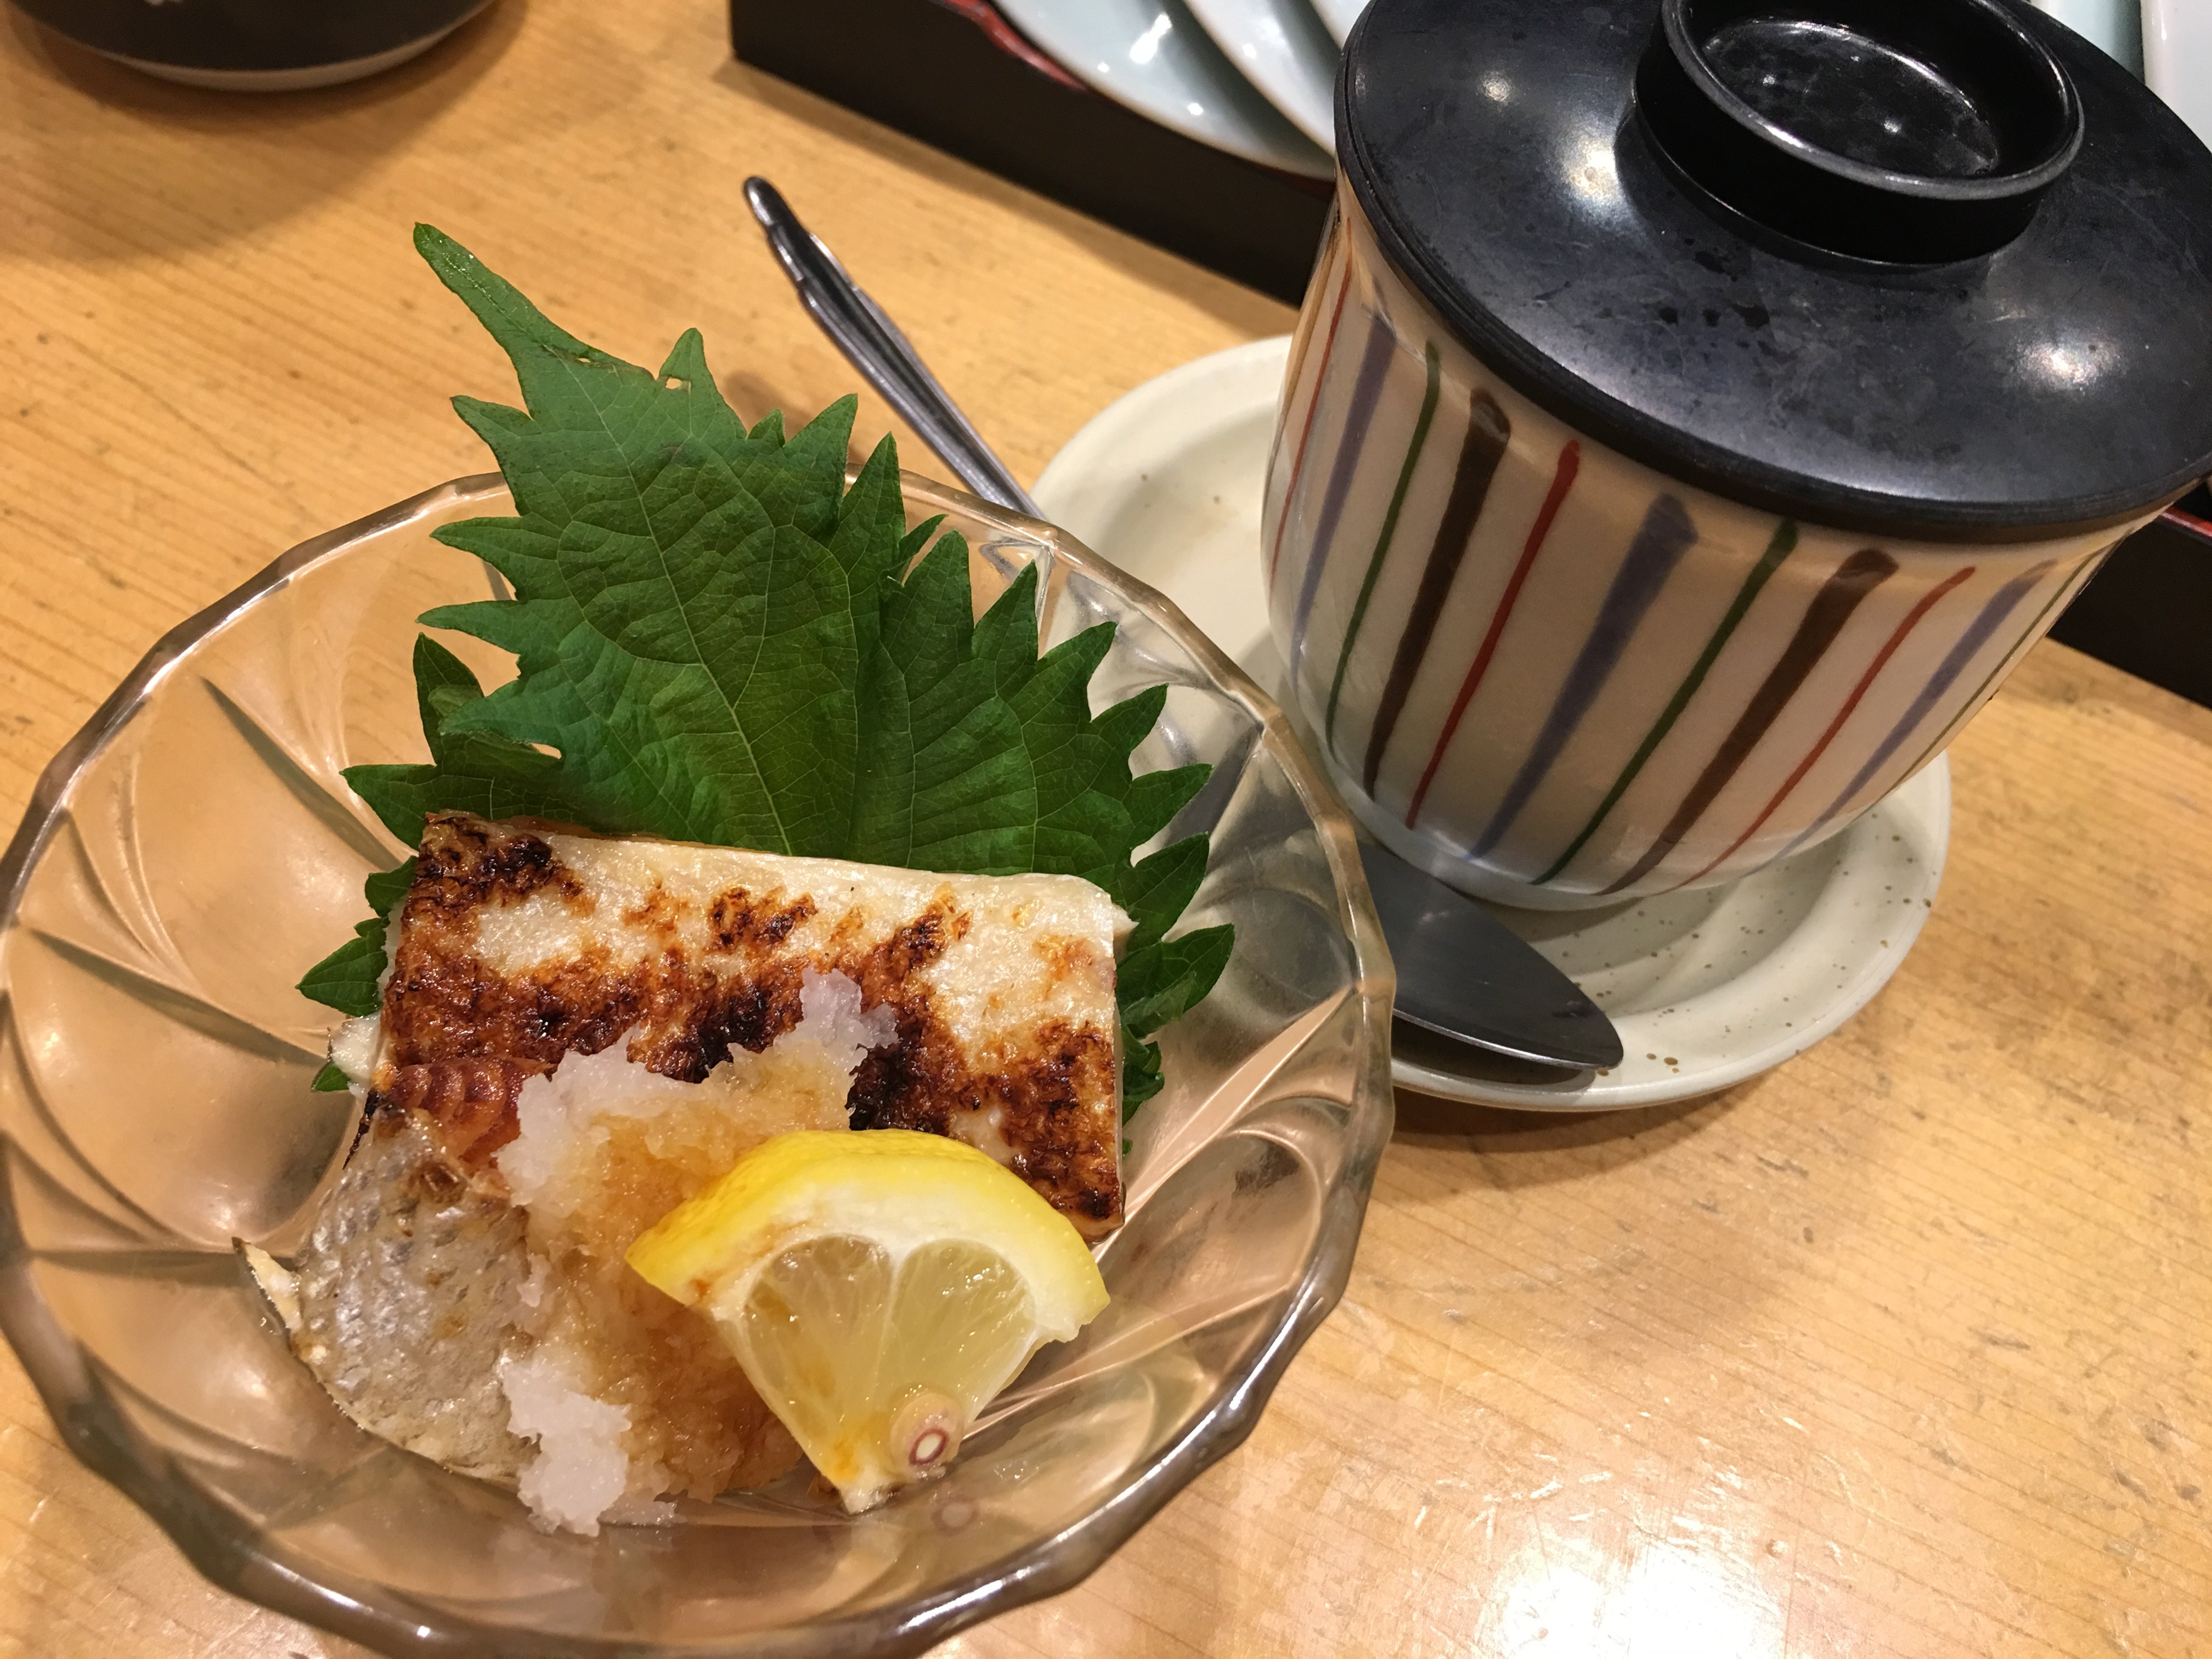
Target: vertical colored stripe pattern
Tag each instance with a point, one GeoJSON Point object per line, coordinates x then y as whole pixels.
{"type": "Point", "coordinates": [1332, 238]}
{"type": "Point", "coordinates": [1313, 397]}
{"type": "Point", "coordinates": [1374, 362]}
{"type": "Point", "coordinates": [1488, 432]}
{"type": "Point", "coordinates": [1640, 680]}
{"type": "Point", "coordinates": [1382, 539]}
{"type": "Point", "coordinates": [2001, 604]}
{"type": "Point", "coordinates": [1563, 479]}
{"type": "Point", "coordinates": [2066, 591]}
{"type": "Point", "coordinates": [1823, 619]}
{"type": "Point", "coordinates": [1665, 535]}
{"type": "Point", "coordinates": [1912, 620]}
{"type": "Point", "coordinates": [1779, 548]}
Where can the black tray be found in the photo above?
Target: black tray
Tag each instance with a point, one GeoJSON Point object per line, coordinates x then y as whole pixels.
{"type": "Point", "coordinates": [2149, 610]}
{"type": "Point", "coordinates": [954, 74]}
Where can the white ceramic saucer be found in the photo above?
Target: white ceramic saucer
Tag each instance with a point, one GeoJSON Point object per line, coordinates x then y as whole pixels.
{"type": "Point", "coordinates": [1706, 988]}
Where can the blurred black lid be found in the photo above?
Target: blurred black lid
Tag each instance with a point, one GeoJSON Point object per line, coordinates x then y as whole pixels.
{"type": "Point", "coordinates": [1929, 267]}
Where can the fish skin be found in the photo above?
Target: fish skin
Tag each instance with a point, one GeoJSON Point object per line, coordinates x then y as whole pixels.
{"type": "Point", "coordinates": [407, 1294]}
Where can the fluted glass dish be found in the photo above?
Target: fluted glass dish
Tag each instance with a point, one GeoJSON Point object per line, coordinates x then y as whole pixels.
{"type": "Point", "coordinates": [194, 850]}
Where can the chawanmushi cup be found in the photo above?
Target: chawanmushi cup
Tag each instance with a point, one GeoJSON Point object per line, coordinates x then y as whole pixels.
{"type": "Point", "coordinates": [1693, 417]}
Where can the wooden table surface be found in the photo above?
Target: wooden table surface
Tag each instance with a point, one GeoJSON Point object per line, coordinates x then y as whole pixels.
{"type": "Point", "coordinates": [1902, 1349]}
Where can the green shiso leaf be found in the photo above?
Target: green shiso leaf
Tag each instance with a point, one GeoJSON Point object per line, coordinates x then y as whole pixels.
{"type": "Point", "coordinates": [717, 641]}
{"type": "Point", "coordinates": [476, 772]}
{"type": "Point", "coordinates": [347, 979]}
{"type": "Point", "coordinates": [1142, 1077]}
{"type": "Point", "coordinates": [1166, 980]}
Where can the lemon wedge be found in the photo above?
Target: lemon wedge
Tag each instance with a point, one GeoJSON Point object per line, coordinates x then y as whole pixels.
{"type": "Point", "coordinates": [878, 1288]}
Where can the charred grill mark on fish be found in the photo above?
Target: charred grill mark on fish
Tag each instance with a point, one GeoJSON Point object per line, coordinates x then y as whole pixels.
{"type": "Point", "coordinates": [463, 862]}
{"type": "Point", "coordinates": [462, 1037]}
{"type": "Point", "coordinates": [1040, 1097]}
{"type": "Point", "coordinates": [736, 918]}
{"type": "Point", "coordinates": [472, 1101]}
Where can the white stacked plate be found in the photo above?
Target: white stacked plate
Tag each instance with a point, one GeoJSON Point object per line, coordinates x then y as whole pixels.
{"type": "Point", "coordinates": [1255, 77]}
{"type": "Point", "coordinates": [1258, 78]}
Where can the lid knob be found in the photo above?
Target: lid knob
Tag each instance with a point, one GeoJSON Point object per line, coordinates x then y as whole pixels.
{"type": "Point", "coordinates": [1910, 132]}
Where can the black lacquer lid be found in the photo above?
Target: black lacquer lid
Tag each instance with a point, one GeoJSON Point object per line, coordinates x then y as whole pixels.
{"type": "Point", "coordinates": [1930, 268]}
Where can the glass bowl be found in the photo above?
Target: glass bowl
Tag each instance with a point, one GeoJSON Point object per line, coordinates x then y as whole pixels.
{"type": "Point", "coordinates": [194, 850]}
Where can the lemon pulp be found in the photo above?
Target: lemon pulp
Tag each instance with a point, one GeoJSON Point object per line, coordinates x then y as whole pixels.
{"type": "Point", "coordinates": [879, 1289]}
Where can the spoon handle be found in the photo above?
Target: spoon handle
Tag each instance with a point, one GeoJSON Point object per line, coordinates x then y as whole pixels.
{"type": "Point", "coordinates": [872, 343]}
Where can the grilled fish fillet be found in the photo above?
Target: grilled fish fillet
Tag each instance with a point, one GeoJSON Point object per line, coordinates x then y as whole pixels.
{"type": "Point", "coordinates": [519, 942]}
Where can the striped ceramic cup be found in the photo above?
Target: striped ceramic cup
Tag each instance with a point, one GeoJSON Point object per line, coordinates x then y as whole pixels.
{"type": "Point", "coordinates": [1556, 678]}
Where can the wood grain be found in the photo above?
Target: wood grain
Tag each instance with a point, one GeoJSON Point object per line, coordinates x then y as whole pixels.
{"type": "Point", "coordinates": [1900, 1350]}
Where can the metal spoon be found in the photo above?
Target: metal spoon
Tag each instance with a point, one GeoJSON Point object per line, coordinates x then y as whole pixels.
{"type": "Point", "coordinates": [1462, 972]}
{"type": "Point", "coordinates": [872, 343]}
